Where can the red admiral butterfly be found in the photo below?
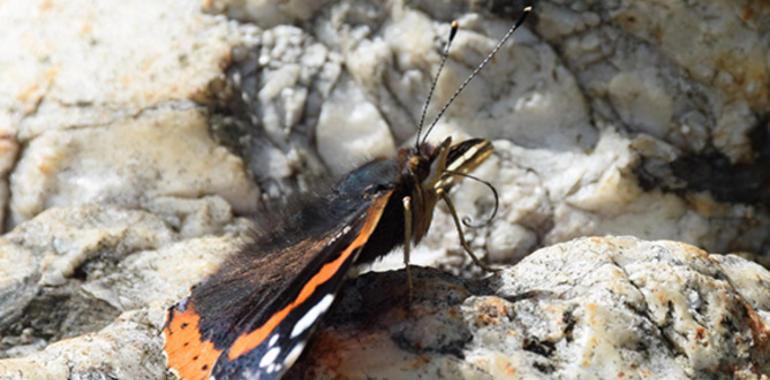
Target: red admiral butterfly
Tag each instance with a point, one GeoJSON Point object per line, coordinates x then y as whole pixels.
{"type": "Point", "coordinates": [254, 315]}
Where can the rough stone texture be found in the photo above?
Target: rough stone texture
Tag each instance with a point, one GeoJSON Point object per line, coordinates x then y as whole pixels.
{"type": "Point", "coordinates": [265, 12]}
{"type": "Point", "coordinates": [116, 165]}
{"type": "Point", "coordinates": [605, 122]}
{"type": "Point", "coordinates": [68, 64]}
{"type": "Point", "coordinates": [105, 272]}
{"type": "Point", "coordinates": [589, 308]}
{"type": "Point", "coordinates": [101, 97]}
{"type": "Point", "coordinates": [645, 118]}
{"type": "Point", "coordinates": [95, 356]}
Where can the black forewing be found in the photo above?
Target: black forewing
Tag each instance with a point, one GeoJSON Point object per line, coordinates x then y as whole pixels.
{"type": "Point", "coordinates": [268, 272]}
{"type": "Point", "coordinates": [250, 284]}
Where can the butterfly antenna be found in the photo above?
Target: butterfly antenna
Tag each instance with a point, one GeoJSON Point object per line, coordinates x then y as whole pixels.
{"type": "Point", "coordinates": [527, 10]}
{"type": "Point", "coordinates": [452, 33]}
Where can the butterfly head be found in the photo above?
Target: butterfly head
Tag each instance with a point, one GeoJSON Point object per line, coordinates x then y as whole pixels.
{"type": "Point", "coordinates": [428, 170]}
{"type": "Point", "coordinates": [435, 166]}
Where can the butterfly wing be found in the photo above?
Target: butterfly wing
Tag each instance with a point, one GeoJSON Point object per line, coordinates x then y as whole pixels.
{"type": "Point", "coordinates": [253, 317]}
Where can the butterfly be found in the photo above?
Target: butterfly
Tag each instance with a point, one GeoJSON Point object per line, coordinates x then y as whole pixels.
{"type": "Point", "coordinates": [252, 318]}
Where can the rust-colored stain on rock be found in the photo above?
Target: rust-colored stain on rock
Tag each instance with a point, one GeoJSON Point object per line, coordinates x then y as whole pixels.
{"type": "Point", "coordinates": [752, 9]}
{"type": "Point", "coordinates": [491, 312]}
{"type": "Point", "coordinates": [759, 330]}
{"type": "Point", "coordinates": [700, 333]}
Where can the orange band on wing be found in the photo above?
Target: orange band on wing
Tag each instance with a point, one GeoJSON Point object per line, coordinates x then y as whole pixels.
{"type": "Point", "coordinates": [248, 342]}
{"type": "Point", "coordinates": [188, 355]}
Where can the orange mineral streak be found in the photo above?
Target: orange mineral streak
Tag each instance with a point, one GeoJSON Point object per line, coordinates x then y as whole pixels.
{"type": "Point", "coordinates": [187, 354]}
{"type": "Point", "coordinates": [250, 341]}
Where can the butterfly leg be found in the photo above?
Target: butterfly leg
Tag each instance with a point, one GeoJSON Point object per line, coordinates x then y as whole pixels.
{"type": "Point", "coordinates": [459, 227]}
{"type": "Point", "coordinates": [407, 201]}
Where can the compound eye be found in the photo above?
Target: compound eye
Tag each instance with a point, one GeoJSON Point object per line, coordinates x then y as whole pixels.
{"type": "Point", "coordinates": [424, 167]}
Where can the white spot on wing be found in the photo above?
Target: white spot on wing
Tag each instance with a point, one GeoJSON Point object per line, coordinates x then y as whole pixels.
{"type": "Point", "coordinates": [273, 368]}
{"type": "Point", "coordinates": [312, 315]}
{"type": "Point", "coordinates": [270, 357]}
{"type": "Point", "coordinates": [294, 354]}
{"type": "Point", "coordinates": [272, 341]}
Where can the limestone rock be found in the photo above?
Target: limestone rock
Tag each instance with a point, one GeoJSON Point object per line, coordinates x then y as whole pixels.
{"type": "Point", "coordinates": [161, 153]}
{"type": "Point", "coordinates": [71, 271]}
{"type": "Point", "coordinates": [589, 308]}
{"type": "Point", "coordinates": [266, 13]}
{"type": "Point", "coordinates": [75, 64]}
{"type": "Point", "coordinates": [87, 86]}
{"type": "Point", "coordinates": [602, 123]}
{"type": "Point", "coordinates": [126, 349]}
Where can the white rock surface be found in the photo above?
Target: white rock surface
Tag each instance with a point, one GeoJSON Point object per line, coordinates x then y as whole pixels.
{"type": "Point", "coordinates": [589, 110]}
{"type": "Point", "coordinates": [75, 70]}
{"type": "Point", "coordinates": [75, 64]}
{"type": "Point", "coordinates": [73, 271]}
{"type": "Point", "coordinates": [365, 130]}
{"type": "Point", "coordinates": [160, 153]}
{"type": "Point", "coordinates": [706, 74]}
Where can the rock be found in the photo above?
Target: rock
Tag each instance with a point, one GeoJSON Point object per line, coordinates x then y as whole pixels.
{"type": "Point", "coordinates": [569, 92]}
{"type": "Point", "coordinates": [129, 348]}
{"type": "Point", "coordinates": [67, 168]}
{"type": "Point", "coordinates": [336, 119]}
{"type": "Point", "coordinates": [47, 251]}
{"type": "Point", "coordinates": [266, 13]}
{"type": "Point", "coordinates": [654, 79]}
{"type": "Point", "coordinates": [71, 271]}
{"type": "Point", "coordinates": [272, 112]}
{"type": "Point", "coordinates": [86, 91]}
{"type": "Point", "coordinates": [589, 308]}
{"type": "Point", "coordinates": [66, 67]}
{"type": "Point", "coordinates": [9, 148]}
{"type": "Point", "coordinates": [601, 125]}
